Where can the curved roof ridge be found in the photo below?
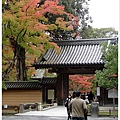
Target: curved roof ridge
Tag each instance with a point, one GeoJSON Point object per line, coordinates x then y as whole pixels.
{"type": "Point", "coordinates": [85, 41]}
{"type": "Point", "coordinates": [75, 53]}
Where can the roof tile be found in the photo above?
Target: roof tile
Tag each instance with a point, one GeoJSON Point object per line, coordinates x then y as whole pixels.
{"type": "Point", "coordinates": [29, 84]}
{"type": "Point", "coordinates": [22, 85]}
{"type": "Point", "coordinates": [75, 52]}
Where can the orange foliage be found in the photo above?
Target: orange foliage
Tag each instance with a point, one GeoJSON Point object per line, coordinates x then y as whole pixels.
{"type": "Point", "coordinates": [32, 10]}
{"type": "Point", "coordinates": [115, 75]}
{"type": "Point", "coordinates": [81, 81]}
{"type": "Point", "coordinates": [41, 48]}
{"type": "Point", "coordinates": [56, 46]}
{"type": "Point", "coordinates": [29, 18]}
{"type": "Point", "coordinates": [39, 26]}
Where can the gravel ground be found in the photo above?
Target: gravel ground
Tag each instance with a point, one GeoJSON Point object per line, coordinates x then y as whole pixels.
{"type": "Point", "coordinates": [49, 118]}
{"type": "Point", "coordinates": [32, 118]}
{"type": "Point", "coordinates": [57, 113]}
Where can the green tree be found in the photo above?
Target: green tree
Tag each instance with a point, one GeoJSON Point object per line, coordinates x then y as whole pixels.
{"type": "Point", "coordinates": [79, 8]}
{"type": "Point", "coordinates": [89, 32]}
{"type": "Point", "coordinates": [108, 77]}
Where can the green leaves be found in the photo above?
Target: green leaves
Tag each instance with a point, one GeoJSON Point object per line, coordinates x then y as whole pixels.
{"type": "Point", "coordinates": [108, 77]}
{"type": "Point", "coordinates": [28, 26]}
{"type": "Point", "coordinates": [89, 32]}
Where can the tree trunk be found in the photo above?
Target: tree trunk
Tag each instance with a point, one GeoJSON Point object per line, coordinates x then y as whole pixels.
{"type": "Point", "coordinates": [20, 65]}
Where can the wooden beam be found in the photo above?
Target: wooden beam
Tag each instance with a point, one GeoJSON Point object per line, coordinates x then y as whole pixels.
{"type": "Point", "coordinates": [79, 71]}
{"type": "Point", "coordinates": [88, 69]}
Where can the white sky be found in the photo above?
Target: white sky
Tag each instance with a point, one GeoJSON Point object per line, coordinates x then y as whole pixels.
{"type": "Point", "coordinates": [104, 13]}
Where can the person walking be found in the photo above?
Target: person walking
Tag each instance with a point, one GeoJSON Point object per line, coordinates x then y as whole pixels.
{"type": "Point", "coordinates": [87, 102]}
{"type": "Point", "coordinates": [66, 105]}
{"type": "Point", "coordinates": [73, 95]}
{"type": "Point", "coordinates": [77, 107]}
{"type": "Point", "coordinates": [91, 97]}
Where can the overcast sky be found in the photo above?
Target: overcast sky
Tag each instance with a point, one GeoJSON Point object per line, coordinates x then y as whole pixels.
{"type": "Point", "coordinates": [105, 13]}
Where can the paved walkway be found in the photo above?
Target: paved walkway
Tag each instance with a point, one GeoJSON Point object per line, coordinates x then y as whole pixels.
{"type": "Point", "coordinates": [56, 111]}
{"type": "Point", "coordinates": [59, 111]}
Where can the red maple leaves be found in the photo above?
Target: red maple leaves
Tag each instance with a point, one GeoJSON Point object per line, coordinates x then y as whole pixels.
{"type": "Point", "coordinates": [82, 83]}
{"type": "Point", "coordinates": [33, 10]}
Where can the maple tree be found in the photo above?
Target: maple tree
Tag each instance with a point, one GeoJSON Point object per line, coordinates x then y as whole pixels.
{"type": "Point", "coordinates": [27, 30]}
{"type": "Point", "coordinates": [81, 82]}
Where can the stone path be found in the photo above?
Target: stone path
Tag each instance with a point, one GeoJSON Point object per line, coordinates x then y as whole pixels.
{"type": "Point", "coordinates": [57, 113]}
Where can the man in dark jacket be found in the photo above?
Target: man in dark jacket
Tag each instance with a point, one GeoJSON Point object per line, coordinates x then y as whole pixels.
{"type": "Point", "coordinates": [66, 105]}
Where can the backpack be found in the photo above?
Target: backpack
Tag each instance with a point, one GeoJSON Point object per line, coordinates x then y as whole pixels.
{"type": "Point", "coordinates": [67, 102]}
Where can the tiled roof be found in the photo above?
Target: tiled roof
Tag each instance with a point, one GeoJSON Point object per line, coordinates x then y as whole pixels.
{"type": "Point", "coordinates": [29, 84]}
{"type": "Point", "coordinates": [74, 52]}
{"type": "Point", "coordinates": [23, 85]}
{"type": "Point", "coordinates": [49, 81]}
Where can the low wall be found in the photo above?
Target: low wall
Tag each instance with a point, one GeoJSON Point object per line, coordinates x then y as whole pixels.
{"type": "Point", "coordinates": [25, 107]}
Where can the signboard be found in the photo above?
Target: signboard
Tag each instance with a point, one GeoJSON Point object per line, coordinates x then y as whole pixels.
{"type": "Point", "coordinates": [98, 91]}
{"type": "Point", "coordinates": [113, 93]}
{"type": "Point", "coordinates": [51, 94]}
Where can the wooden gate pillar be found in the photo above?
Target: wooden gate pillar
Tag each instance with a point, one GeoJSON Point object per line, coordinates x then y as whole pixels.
{"type": "Point", "coordinates": [62, 88]}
